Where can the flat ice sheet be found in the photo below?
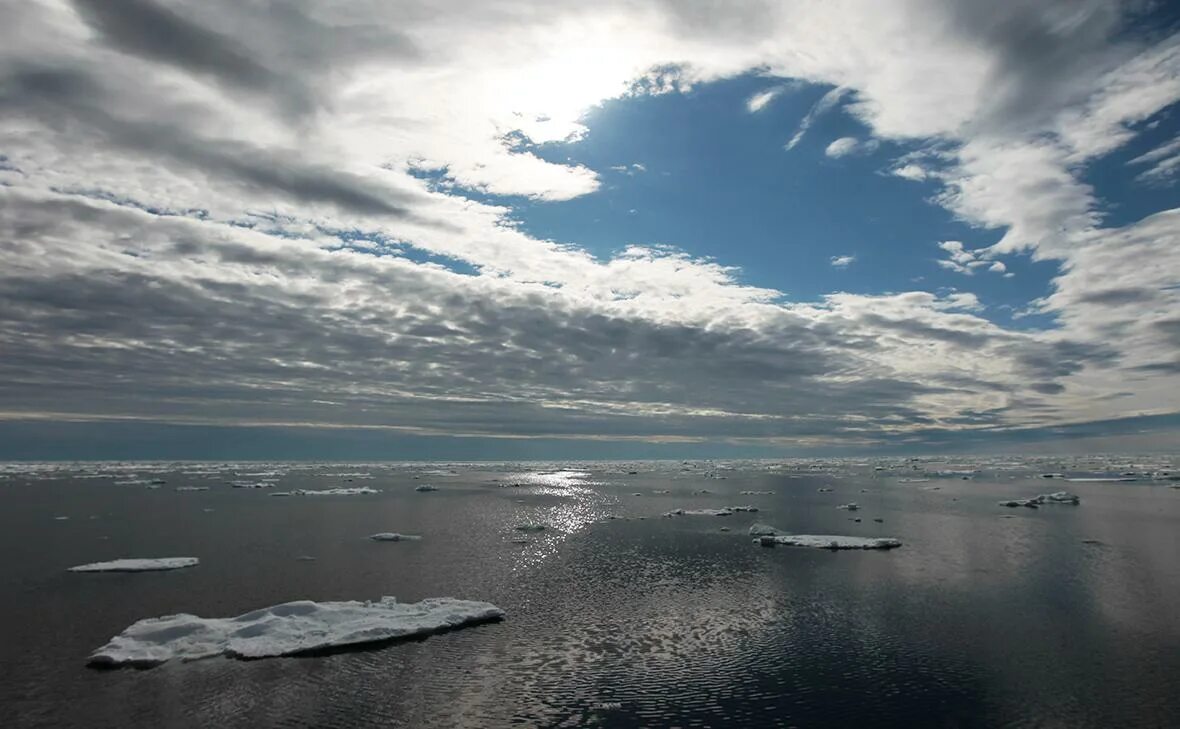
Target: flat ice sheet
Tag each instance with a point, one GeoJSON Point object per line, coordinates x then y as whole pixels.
{"type": "Point", "coordinates": [138, 565]}
{"type": "Point", "coordinates": [393, 537]}
{"type": "Point", "coordinates": [832, 541]}
{"type": "Point", "coordinates": [288, 629]}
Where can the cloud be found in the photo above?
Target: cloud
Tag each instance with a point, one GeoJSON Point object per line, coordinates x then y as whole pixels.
{"type": "Point", "coordinates": [964, 261]}
{"type": "Point", "coordinates": [911, 172]}
{"type": "Point", "coordinates": [842, 147]}
{"type": "Point", "coordinates": [1164, 161]}
{"type": "Point", "coordinates": [218, 212]}
{"type": "Point", "coordinates": [760, 100]}
{"type": "Point", "coordinates": [630, 170]}
{"type": "Point", "coordinates": [826, 103]}
{"type": "Point", "coordinates": [842, 261]}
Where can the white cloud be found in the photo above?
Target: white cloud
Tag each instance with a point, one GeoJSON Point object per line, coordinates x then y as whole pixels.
{"type": "Point", "coordinates": [911, 172]}
{"type": "Point", "coordinates": [842, 261]}
{"type": "Point", "coordinates": [760, 100]}
{"type": "Point", "coordinates": [826, 103]}
{"type": "Point", "coordinates": [1164, 161]}
{"type": "Point", "coordinates": [965, 261]}
{"type": "Point", "coordinates": [842, 146]}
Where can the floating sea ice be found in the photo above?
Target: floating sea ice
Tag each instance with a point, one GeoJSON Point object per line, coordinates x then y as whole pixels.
{"type": "Point", "coordinates": [823, 490]}
{"type": "Point", "coordinates": [426, 487]}
{"type": "Point", "coordinates": [288, 629]}
{"type": "Point", "coordinates": [662, 491]}
{"type": "Point", "coordinates": [1013, 503]}
{"type": "Point", "coordinates": [762, 530]}
{"type": "Point", "coordinates": [61, 518]}
{"type": "Point", "coordinates": [699, 512]}
{"type": "Point", "coordinates": [349, 491]}
{"type": "Point", "coordinates": [138, 565]}
{"type": "Point", "coordinates": [530, 528]}
{"type": "Point", "coordinates": [1103, 479]}
{"type": "Point", "coordinates": [1057, 497]}
{"type": "Point", "coordinates": [1060, 497]}
{"type": "Point", "coordinates": [757, 493]}
{"type": "Point", "coordinates": [192, 488]}
{"type": "Point", "coordinates": [850, 506]}
{"type": "Point", "coordinates": [829, 541]}
{"type": "Point", "coordinates": [392, 537]}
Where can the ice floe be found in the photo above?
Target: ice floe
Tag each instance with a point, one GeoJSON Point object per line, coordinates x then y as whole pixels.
{"type": "Point", "coordinates": [138, 565]}
{"type": "Point", "coordinates": [1057, 497]}
{"type": "Point", "coordinates": [757, 493]}
{"type": "Point", "coordinates": [393, 537]}
{"type": "Point", "coordinates": [289, 629]}
{"type": "Point", "coordinates": [725, 511]}
{"type": "Point", "coordinates": [829, 541]}
{"type": "Point", "coordinates": [349, 491]}
{"type": "Point", "coordinates": [426, 487]}
{"type": "Point", "coordinates": [192, 488]}
{"type": "Point", "coordinates": [850, 506]}
{"type": "Point", "coordinates": [762, 530]}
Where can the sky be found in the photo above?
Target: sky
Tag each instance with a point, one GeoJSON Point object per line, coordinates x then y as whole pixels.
{"type": "Point", "coordinates": [681, 228]}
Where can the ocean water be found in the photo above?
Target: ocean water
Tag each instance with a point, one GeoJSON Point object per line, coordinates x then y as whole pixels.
{"type": "Point", "coordinates": [1062, 616]}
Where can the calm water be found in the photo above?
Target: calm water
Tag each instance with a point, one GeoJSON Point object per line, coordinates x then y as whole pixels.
{"type": "Point", "coordinates": [1062, 616]}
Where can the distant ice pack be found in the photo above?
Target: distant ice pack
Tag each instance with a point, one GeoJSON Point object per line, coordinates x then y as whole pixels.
{"type": "Point", "coordinates": [288, 629]}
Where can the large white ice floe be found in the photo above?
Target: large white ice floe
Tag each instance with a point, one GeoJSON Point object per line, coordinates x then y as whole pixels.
{"type": "Point", "coordinates": [1057, 497]}
{"type": "Point", "coordinates": [289, 629]}
{"type": "Point", "coordinates": [393, 537]}
{"type": "Point", "coordinates": [138, 565]}
{"type": "Point", "coordinates": [828, 541]}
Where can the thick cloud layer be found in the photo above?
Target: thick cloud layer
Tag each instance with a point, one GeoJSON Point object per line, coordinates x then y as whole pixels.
{"type": "Point", "coordinates": [179, 180]}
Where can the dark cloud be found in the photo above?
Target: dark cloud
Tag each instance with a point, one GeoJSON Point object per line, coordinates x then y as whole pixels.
{"type": "Point", "coordinates": [65, 97]}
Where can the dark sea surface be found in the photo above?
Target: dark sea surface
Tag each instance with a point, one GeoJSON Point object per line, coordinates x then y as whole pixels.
{"type": "Point", "coordinates": [1062, 616]}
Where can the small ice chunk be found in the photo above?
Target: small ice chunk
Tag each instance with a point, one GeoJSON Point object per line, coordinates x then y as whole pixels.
{"type": "Point", "coordinates": [138, 565]}
{"type": "Point", "coordinates": [757, 493]}
{"type": "Point", "coordinates": [850, 506]}
{"type": "Point", "coordinates": [760, 530]}
{"type": "Point", "coordinates": [823, 490]}
{"type": "Point", "coordinates": [426, 487]}
{"type": "Point", "coordinates": [392, 537]}
{"type": "Point", "coordinates": [724, 529]}
{"type": "Point", "coordinates": [288, 629]}
{"type": "Point", "coordinates": [192, 488]}
{"type": "Point", "coordinates": [61, 518]}
{"type": "Point", "coordinates": [830, 541]}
